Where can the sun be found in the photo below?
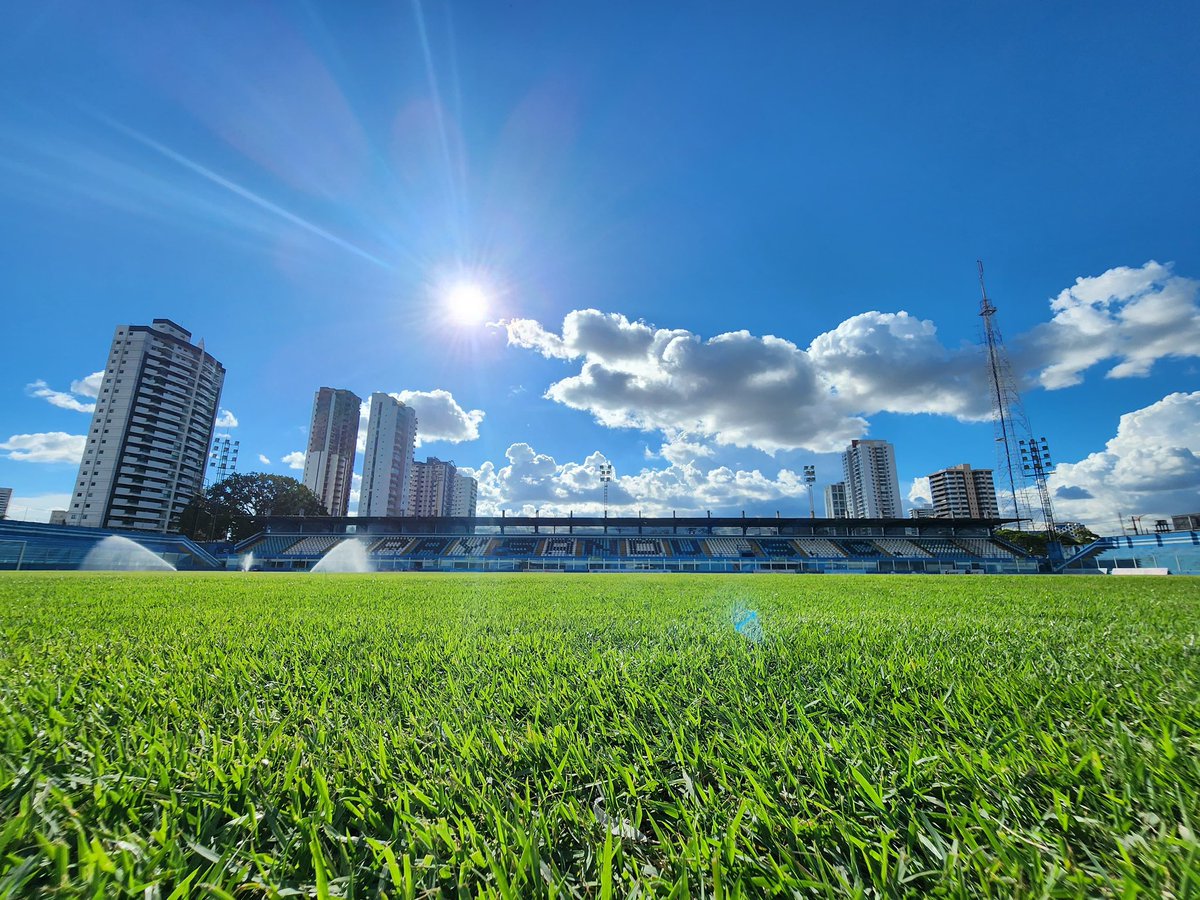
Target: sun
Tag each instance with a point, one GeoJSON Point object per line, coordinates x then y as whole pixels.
{"type": "Point", "coordinates": [467, 303]}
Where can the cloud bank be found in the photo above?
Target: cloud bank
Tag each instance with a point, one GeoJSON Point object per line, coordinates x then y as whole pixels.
{"type": "Point", "coordinates": [766, 392]}
{"type": "Point", "coordinates": [536, 481]}
{"type": "Point", "coordinates": [1150, 467]}
{"type": "Point", "coordinates": [45, 447]}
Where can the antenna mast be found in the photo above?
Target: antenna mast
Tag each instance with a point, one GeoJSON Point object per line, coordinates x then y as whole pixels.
{"type": "Point", "coordinates": [999, 383]}
{"type": "Point", "coordinates": [1021, 456]}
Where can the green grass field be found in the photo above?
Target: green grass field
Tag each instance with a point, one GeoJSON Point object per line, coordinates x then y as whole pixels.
{"type": "Point", "coordinates": [273, 735]}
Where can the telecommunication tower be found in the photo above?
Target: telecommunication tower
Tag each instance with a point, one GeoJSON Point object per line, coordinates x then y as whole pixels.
{"type": "Point", "coordinates": [1022, 458]}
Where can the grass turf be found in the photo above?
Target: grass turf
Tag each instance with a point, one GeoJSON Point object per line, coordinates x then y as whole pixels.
{"type": "Point", "coordinates": [258, 735]}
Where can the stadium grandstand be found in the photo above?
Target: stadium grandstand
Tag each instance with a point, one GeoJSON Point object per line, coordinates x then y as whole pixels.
{"type": "Point", "coordinates": [1173, 552]}
{"type": "Point", "coordinates": [597, 544]}
{"type": "Point", "coordinates": [617, 544]}
{"type": "Point", "coordinates": [34, 545]}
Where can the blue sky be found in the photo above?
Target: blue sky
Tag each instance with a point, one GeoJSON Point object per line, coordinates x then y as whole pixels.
{"type": "Point", "coordinates": [302, 184]}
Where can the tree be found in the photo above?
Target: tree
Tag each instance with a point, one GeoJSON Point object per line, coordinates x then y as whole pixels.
{"type": "Point", "coordinates": [234, 508]}
{"type": "Point", "coordinates": [1034, 542]}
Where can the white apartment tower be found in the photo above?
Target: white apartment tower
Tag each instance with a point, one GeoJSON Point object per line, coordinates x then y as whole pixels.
{"type": "Point", "coordinates": [835, 501]}
{"type": "Point", "coordinates": [5, 498]}
{"type": "Point", "coordinates": [872, 488]}
{"type": "Point", "coordinates": [388, 461]}
{"type": "Point", "coordinates": [332, 444]}
{"type": "Point", "coordinates": [464, 496]}
{"type": "Point", "coordinates": [432, 490]}
{"type": "Point", "coordinates": [147, 446]}
{"type": "Point", "coordinates": [961, 492]}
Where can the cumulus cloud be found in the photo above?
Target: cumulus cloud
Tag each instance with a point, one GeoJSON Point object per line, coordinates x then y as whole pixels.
{"type": "Point", "coordinates": [894, 362]}
{"type": "Point", "coordinates": [77, 399]}
{"type": "Point", "coordinates": [1135, 316]}
{"type": "Point", "coordinates": [294, 460]}
{"type": "Point", "coordinates": [682, 449]}
{"type": "Point", "coordinates": [89, 385]}
{"type": "Point", "coordinates": [920, 494]}
{"type": "Point", "coordinates": [766, 392]}
{"type": "Point", "coordinates": [226, 419]}
{"type": "Point", "coordinates": [532, 480]}
{"type": "Point", "coordinates": [262, 458]}
{"type": "Point", "coordinates": [737, 388]}
{"type": "Point", "coordinates": [1151, 467]}
{"type": "Point", "coordinates": [45, 447]}
{"type": "Point", "coordinates": [440, 418]}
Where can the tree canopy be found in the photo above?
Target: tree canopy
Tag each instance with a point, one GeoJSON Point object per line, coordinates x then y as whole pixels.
{"type": "Point", "coordinates": [1035, 541]}
{"type": "Point", "coordinates": [234, 508]}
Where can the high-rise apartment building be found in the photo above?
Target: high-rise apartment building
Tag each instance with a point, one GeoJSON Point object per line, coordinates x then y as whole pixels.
{"type": "Point", "coordinates": [432, 490]}
{"type": "Point", "coordinates": [147, 446]}
{"type": "Point", "coordinates": [388, 460]}
{"type": "Point", "coordinates": [464, 496]}
{"type": "Point", "coordinates": [5, 499]}
{"type": "Point", "coordinates": [332, 443]}
{"type": "Point", "coordinates": [961, 492]}
{"type": "Point", "coordinates": [835, 501]}
{"type": "Point", "coordinates": [872, 488]}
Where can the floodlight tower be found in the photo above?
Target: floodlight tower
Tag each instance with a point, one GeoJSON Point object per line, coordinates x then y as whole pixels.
{"type": "Point", "coordinates": [1021, 456]}
{"type": "Point", "coordinates": [222, 459]}
{"type": "Point", "coordinates": [606, 477]}
{"type": "Point", "coordinates": [810, 479]}
{"type": "Point", "coordinates": [1036, 462]}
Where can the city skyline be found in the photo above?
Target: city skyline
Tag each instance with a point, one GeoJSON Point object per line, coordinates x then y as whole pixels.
{"type": "Point", "coordinates": [711, 260]}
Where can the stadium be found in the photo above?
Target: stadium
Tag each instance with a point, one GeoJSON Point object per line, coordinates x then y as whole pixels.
{"type": "Point", "coordinates": [607, 544]}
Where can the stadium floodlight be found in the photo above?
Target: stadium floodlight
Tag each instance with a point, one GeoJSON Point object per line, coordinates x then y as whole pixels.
{"type": "Point", "coordinates": [810, 479]}
{"type": "Point", "coordinates": [606, 477]}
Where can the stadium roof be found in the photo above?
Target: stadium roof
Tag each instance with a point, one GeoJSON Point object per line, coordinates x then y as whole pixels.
{"type": "Point", "coordinates": [625, 524]}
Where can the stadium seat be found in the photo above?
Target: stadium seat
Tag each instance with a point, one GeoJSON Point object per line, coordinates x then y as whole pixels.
{"type": "Point", "coordinates": [820, 547]}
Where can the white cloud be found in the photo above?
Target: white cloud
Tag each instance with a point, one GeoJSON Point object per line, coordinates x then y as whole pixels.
{"type": "Point", "coordinates": [765, 392]}
{"type": "Point", "coordinates": [530, 334]}
{"type": "Point", "coordinates": [88, 386]}
{"type": "Point", "coordinates": [364, 420]}
{"type": "Point", "coordinates": [262, 458]}
{"type": "Point", "coordinates": [893, 362]}
{"type": "Point", "coordinates": [294, 460]}
{"type": "Point", "coordinates": [226, 419]}
{"type": "Point", "coordinates": [45, 447]}
{"type": "Point", "coordinates": [1135, 316]}
{"type": "Point", "coordinates": [64, 400]}
{"type": "Point", "coordinates": [533, 480]}
{"type": "Point", "coordinates": [737, 388]}
{"type": "Point", "coordinates": [1151, 467]}
{"type": "Point", "coordinates": [439, 418]}
{"type": "Point", "coordinates": [919, 494]}
{"type": "Point", "coordinates": [36, 508]}
{"type": "Point", "coordinates": [682, 449]}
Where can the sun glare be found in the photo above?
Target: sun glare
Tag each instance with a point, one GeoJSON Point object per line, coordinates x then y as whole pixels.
{"type": "Point", "coordinates": [467, 303]}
